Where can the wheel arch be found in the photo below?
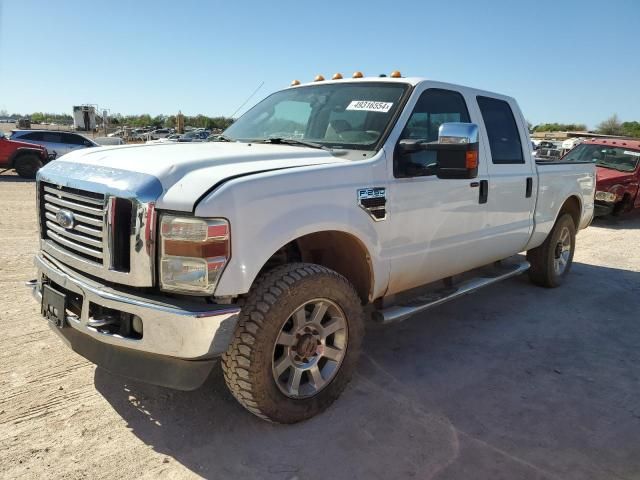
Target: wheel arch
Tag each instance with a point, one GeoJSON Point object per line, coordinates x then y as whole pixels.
{"type": "Point", "coordinates": [337, 250]}
{"type": "Point", "coordinates": [21, 152]}
{"type": "Point", "coordinates": [572, 206]}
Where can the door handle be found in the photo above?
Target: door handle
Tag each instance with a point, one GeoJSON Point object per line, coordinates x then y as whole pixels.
{"type": "Point", "coordinates": [529, 189]}
{"type": "Point", "coordinates": [484, 191]}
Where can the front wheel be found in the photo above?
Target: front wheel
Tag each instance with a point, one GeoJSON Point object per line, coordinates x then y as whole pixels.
{"type": "Point", "coordinates": [551, 261]}
{"type": "Point", "coordinates": [27, 166]}
{"type": "Point", "coordinates": [297, 343]}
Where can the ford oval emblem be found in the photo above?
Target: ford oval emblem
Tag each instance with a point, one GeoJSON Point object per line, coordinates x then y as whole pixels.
{"type": "Point", "coordinates": [65, 218]}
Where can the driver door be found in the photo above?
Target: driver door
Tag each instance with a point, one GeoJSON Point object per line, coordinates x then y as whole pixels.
{"type": "Point", "coordinates": [436, 226]}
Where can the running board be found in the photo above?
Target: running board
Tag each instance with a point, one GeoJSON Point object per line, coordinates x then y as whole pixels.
{"type": "Point", "coordinates": [398, 313]}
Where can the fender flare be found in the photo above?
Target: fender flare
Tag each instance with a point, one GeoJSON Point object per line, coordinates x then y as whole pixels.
{"type": "Point", "coordinates": [23, 150]}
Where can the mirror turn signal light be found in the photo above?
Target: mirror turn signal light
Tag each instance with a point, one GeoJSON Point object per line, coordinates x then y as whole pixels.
{"type": "Point", "coordinates": [471, 159]}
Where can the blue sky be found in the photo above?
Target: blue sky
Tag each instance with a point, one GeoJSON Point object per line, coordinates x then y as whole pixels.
{"type": "Point", "coordinates": [565, 61]}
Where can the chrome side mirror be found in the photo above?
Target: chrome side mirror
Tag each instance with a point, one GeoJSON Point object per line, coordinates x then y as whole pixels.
{"type": "Point", "coordinates": [458, 133]}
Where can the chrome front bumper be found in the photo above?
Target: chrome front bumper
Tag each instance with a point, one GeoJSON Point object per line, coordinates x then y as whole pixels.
{"type": "Point", "coordinates": [189, 331]}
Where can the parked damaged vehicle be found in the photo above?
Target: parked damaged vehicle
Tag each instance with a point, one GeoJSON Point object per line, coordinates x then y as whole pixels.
{"type": "Point", "coordinates": [25, 158]}
{"type": "Point", "coordinates": [617, 172]}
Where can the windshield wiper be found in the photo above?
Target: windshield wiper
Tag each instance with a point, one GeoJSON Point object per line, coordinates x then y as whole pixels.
{"type": "Point", "coordinates": [291, 141]}
{"type": "Point", "coordinates": [222, 138]}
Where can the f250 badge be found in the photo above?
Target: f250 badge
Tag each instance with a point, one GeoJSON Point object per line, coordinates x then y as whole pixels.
{"type": "Point", "coordinates": [373, 200]}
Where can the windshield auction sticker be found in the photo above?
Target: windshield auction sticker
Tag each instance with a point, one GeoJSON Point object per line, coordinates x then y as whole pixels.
{"type": "Point", "coordinates": [370, 106]}
{"type": "Point", "coordinates": [626, 152]}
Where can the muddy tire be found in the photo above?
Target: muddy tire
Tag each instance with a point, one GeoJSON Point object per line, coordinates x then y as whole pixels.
{"type": "Point", "coordinates": [296, 344]}
{"type": "Point", "coordinates": [551, 261]}
{"type": "Point", "coordinates": [27, 166]}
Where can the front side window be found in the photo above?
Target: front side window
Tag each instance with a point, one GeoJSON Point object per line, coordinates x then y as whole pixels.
{"type": "Point", "coordinates": [336, 115]}
{"type": "Point", "coordinates": [606, 156]}
{"type": "Point", "coordinates": [502, 130]}
{"type": "Point", "coordinates": [434, 107]}
{"type": "Point", "coordinates": [35, 136]}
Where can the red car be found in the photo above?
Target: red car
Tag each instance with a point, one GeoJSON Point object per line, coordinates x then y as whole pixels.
{"type": "Point", "coordinates": [25, 158]}
{"type": "Point", "coordinates": [617, 173]}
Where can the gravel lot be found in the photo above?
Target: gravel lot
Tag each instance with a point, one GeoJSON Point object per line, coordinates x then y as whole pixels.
{"type": "Point", "coordinates": [514, 382]}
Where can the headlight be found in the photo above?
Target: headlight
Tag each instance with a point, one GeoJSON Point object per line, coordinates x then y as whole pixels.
{"type": "Point", "coordinates": [193, 253]}
{"type": "Point", "coordinates": [606, 197]}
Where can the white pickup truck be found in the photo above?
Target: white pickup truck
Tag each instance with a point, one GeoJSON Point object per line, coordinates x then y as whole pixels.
{"type": "Point", "coordinates": [266, 248]}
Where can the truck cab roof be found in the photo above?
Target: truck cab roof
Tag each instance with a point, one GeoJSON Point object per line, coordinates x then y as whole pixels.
{"type": "Point", "coordinates": [413, 81]}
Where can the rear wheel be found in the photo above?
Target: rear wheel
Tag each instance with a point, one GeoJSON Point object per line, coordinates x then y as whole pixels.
{"type": "Point", "coordinates": [297, 343]}
{"type": "Point", "coordinates": [551, 261]}
{"type": "Point", "coordinates": [27, 165]}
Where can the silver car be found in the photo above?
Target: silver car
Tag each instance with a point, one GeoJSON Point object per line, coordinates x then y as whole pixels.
{"type": "Point", "coordinates": [55, 142]}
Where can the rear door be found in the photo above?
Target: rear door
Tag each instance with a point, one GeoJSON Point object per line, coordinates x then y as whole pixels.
{"type": "Point", "coordinates": [52, 141]}
{"type": "Point", "coordinates": [512, 174]}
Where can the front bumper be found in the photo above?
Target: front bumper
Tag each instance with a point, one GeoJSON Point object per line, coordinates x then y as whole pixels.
{"type": "Point", "coordinates": [176, 333]}
{"type": "Point", "coordinates": [603, 208]}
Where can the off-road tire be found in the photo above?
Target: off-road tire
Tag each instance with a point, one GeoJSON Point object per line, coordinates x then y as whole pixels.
{"type": "Point", "coordinates": [542, 258]}
{"type": "Point", "coordinates": [247, 363]}
{"type": "Point", "coordinates": [27, 165]}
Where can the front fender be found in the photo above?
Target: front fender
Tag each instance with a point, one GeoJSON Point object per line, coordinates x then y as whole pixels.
{"type": "Point", "coordinates": [22, 150]}
{"type": "Point", "coordinates": [269, 210]}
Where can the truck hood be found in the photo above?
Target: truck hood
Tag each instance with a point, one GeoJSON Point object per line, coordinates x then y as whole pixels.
{"type": "Point", "coordinates": [182, 172]}
{"type": "Point", "coordinates": [607, 177]}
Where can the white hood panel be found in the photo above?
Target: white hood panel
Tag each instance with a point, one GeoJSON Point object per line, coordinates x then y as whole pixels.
{"type": "Point", "coordinates": [187, 170]}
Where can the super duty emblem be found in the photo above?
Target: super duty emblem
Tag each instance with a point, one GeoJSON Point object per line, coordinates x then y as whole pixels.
{"type": "Point", "coordinates": [373, 200]}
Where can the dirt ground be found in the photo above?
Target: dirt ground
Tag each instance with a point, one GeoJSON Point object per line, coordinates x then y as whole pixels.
{"type": "Point", "coordinates": [513, 382]}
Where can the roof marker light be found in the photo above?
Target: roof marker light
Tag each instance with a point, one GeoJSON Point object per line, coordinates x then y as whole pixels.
{"type": "Point", "coordinates": [295, 83]}
{"type": "Point", "coordinates": [337, 76]}
{"type": "Point", "coordinates": [396, 74]}
{"type": "Point", "coordinates": [319, 78]}
{"type": "Point", "coordinates": [357, 75]}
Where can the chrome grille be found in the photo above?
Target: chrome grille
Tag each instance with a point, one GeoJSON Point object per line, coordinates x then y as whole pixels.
{"type": "Point", "coordinates": [107, 231]}
{"type": "Point", "coordinates": [86, 237]}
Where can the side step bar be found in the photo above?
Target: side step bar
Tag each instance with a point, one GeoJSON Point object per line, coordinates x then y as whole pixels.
{"type": "Point", "coordinates": [398, 313]}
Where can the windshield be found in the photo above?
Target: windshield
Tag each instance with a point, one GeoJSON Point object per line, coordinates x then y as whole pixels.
{"type": "Point", "coordinates": [338, 115]}
{"type": "Point", "coordinates": [616, 158]}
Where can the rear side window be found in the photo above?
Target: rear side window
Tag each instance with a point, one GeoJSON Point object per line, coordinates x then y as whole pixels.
{"type": "Point", "coordinates": [504, 137]}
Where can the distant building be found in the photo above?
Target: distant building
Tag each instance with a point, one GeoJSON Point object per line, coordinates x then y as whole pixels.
{"type": "Point", "coordinates": [84, 118]}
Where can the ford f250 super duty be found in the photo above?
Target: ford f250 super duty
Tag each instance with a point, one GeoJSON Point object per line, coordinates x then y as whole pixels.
{"type": "Point", "coordinates": [264, 247]}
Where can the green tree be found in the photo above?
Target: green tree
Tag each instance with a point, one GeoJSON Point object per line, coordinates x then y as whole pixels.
{"type": "Point", "coordinates": [631, 129]}
{"type": "Point", "coordinates": [560, 127]}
